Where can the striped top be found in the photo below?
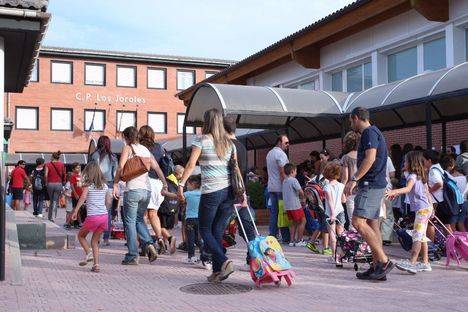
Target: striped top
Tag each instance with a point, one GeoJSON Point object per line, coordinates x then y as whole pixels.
{"type": "Point", "coordinates": [96, 200]}
{"type": "Point", "coordinates": [215, 173]}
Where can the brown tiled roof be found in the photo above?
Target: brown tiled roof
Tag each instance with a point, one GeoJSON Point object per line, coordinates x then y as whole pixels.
{"type": "Point", "coordinates": [26, 4]}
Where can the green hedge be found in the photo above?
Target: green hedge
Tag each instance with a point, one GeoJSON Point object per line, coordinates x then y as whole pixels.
{"type": "Point", "coordinates": [255, 193]}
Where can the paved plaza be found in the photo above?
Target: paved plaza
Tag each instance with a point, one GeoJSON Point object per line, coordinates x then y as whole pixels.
{"type": "Point", "coordinates": [53, 281]}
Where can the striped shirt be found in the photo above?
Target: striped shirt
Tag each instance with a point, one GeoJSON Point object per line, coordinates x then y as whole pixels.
{"type": "Point", "coordinates": [96, 200]}
{"type": "Point", "coordinates": [214, 171]}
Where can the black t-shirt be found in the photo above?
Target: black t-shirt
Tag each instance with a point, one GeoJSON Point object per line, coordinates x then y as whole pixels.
{"type": "Point", "coordinates": [241, 157]}
{"type": "Point", "coordinates": [371, 137]}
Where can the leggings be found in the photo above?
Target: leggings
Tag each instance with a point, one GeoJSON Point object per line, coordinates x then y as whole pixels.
{"type": "Point", "coordinates": [420, 224]}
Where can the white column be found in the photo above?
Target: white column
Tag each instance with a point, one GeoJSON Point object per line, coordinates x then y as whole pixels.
{"type": "Point", "coordinates": [344, 80]}
{"type": "Point", "coordinates": [455, 45]}
{"type": "Point", "coordinates": [420, 57]}
{"type": "Point", "coordinates": [379, 68]}
{"type": "Point", "coordinates": [325, 81]}
{"type": "Point", "coordinates": [2, 91]}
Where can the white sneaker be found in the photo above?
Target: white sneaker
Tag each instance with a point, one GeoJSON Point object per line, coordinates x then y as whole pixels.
{"type": "Point", "coordinates": [191, 260]}
{"type": "Point", "coordinates": [88, 258]}
{"type": "Point", "coordinates": [292, 244]}
{"type": "Point", "coordinates": [39, 215]}
{"type": "Point", "coordinates": [407, 266]}
{"type": "Point", "coordinates": [206, 265]}
{"type": "Point", "coordinates": [423, 267]}
{"type": "Point", "coordinates": [301, 244]}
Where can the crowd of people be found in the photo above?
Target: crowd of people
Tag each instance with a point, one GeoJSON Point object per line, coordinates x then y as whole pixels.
{"type": "Point", "coordinates": [367, 189]}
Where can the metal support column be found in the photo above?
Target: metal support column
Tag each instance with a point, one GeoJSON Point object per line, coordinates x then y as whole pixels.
{"type": "Point", "coordinates": [324, 144]}
{"type": "Point", "coordinates": [343, 129]}
{"type": "Point", "coordinates": [184, 145]}
{"type": "Point", "coordinates": [428, 126]}
{"type": "Point", "coordinates": [287, 134]}
{"type": "Point", "coordinates": [444, 136]}
{"type": "Point", "coordinates": [255, 158]}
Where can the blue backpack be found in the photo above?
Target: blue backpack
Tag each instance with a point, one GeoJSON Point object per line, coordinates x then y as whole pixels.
{"type": "Point", "coordinates": [453, 198]}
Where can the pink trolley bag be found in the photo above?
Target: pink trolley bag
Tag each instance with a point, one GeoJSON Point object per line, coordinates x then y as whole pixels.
{"type": "Point", "coordinates": [456, 244]}
{"type": "Point", "coordinates": [267, 261]}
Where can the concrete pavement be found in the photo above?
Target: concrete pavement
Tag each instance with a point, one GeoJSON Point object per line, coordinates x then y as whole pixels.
{"type": "Point", "coordinates": [55, 282]}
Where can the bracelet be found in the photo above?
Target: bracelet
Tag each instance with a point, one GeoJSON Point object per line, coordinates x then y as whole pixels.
{"type": "Point", "coordinates": [182, 185]}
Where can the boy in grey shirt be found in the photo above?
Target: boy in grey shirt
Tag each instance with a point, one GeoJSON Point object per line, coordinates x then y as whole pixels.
{"type": "Point", "coordinates": [293, 197]}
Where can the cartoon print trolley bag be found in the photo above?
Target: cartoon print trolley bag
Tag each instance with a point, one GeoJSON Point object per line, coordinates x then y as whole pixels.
{"type": "Point", "coordinates": [267, 261]}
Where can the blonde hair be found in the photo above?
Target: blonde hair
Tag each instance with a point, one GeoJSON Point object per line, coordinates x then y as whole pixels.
{"type": "Point", "coordinates": [214, 125]}
{"type": "Point", "coordinates": [92, 174]}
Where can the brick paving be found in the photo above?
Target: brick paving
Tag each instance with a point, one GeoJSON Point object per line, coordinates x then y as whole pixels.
{"type": "Point", "coordinates": [53, 281]}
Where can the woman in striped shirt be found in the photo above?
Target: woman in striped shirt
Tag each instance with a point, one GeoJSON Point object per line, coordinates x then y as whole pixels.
{"type": "Point", "coordinates": [98, 199]}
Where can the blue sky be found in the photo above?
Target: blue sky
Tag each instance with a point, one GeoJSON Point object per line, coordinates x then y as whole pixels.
{"type": "Point", "coordinates": [228, 29]}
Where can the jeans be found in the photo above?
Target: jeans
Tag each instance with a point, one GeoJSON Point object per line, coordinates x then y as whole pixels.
{"type": "Point", "coordinates": [54, 190]}
{"type": "Point", "coordinates": [38, 202]}
{"type": "Point", "coordinates": [248, 227]}
{"type": "Point", "coordinates": [135, 203]}
{"type": "Point", "coordinates": [215, 210]}
{"type": "Point", "coordinates": [191, 231]}
{"type": "Point", "coordinates": [274, 198]}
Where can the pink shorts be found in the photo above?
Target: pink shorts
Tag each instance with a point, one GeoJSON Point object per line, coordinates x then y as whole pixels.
{"type": "Point", "coordinates": [96, 223]}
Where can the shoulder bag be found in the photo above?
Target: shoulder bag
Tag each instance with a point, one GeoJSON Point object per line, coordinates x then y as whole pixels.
{"type": "Point", "coordinates": [237, 183]}
{"type": "Point", "coordinates": [134, 167]}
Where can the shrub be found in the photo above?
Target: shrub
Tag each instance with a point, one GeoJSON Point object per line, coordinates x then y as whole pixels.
{"type": "Point", "coordinates": [255, 193]}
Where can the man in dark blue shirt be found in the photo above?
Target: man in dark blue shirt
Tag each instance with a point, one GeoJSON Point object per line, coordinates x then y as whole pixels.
{"type": "Point", "coordinates": [371, 181]}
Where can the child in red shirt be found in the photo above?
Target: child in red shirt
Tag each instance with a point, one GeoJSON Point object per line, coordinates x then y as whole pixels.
{"type": "Point", "coordinates": [76, 188]}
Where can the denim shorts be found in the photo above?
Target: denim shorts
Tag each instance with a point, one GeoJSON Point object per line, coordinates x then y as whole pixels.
{"type": "Point", "coordinates": [367, 202]}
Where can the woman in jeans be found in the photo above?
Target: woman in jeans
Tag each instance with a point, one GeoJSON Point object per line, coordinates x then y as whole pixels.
{"type": "Point", "coordinates": [349, 163]}
{"type": "Point", "coordinates": [213, 150]}
{"type": "Point", "coordinates": [107, 162]}
{"type": "Point", "coordinates": [55, 177]}
{"type": "Point", "coordinates": [136, 198]}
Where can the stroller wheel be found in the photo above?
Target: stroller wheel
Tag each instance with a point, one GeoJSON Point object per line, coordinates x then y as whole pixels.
{"type": "Point", "coordinates": [356, 267]}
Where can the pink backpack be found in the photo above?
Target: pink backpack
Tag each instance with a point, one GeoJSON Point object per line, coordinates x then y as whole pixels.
{"type": "Point", "coordinates": [457, 247]}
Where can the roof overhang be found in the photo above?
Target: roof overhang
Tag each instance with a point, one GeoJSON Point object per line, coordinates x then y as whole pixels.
{"type": "Point", "coordinates": [304, 46]}
{"type": "Point", "coordinates": [22, 30]}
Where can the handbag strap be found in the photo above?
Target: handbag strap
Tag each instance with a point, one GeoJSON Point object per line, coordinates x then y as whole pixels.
{"type": "Point", "coordinates": [56, 171]}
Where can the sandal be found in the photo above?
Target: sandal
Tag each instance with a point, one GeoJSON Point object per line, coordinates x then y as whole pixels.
{"type": "Point", "coordinates": [95, 268]}
{"type": "Point", "coordinates": [89, 258]}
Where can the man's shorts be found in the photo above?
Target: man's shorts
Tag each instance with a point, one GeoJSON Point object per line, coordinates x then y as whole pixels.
{"type": "Point", "coordinates": [17, 193]}
{"type": "Point", "coordinates": [156, 198]}
{"type": "Point", "coordinates": [296, 215]}
{"type": "Point", "coordinates": [367, 202]}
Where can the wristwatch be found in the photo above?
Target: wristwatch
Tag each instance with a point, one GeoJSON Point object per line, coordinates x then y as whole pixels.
{"type": "Point", "coordinates": [182, 185]}
{"type": "Point", "coordinates": [353, 178]}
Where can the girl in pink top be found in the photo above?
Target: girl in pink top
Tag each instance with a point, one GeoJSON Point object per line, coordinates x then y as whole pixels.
{"type": "Point", "coordinates": [420, 203]}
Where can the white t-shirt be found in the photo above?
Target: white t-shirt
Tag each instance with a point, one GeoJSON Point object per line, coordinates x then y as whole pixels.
{"type": "Point", "coordinates": [435, 176]}
{"type": "Point", "coordinates": [390, 168]}
{"type": "Point", "coordinates": [336, 191]}
{"type": "Point", "coordinates": [275, 159]}
{"type": "Point", "coordinates": [142, 181]}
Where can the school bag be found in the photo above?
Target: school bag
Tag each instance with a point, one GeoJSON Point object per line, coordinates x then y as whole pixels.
{"type": "Point", "coordinates": [38, 180]}
{"type": "Point", "coordinates": [453, 198]}
{"type": "Point", "coordinates": [165, 161]}
{"type": "Point", "coordinates": [268, 263]}
{"type": "Point", "coordinates": [169, 206]}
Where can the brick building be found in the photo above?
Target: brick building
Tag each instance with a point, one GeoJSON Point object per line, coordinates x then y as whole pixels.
{"type": "Point", "coordinates": [75, 95]}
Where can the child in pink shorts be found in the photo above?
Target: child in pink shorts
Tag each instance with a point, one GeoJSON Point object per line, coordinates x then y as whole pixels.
{"type": "Point", "coordinates": [98, 199]}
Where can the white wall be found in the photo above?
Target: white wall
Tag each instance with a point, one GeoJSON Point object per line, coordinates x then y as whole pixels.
{"type": "Point", "coordinates": [375, 43]}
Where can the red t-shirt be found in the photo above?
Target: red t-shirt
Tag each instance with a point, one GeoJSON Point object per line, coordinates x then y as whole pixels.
{"type": "Point", "coordinates": [18, 175]}
{"type": "Point", "coordinates": [56, 172]}
{"type": "Point", "coordinates": [75, 180]}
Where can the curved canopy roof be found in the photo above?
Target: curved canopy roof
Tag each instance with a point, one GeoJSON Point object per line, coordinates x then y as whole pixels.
{"type": "Point", "coordinates": [317, 115]}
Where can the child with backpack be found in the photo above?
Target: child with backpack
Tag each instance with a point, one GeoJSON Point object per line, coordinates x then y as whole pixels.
{"type": "Point", "coordinates": [98, 200]}
{"type": "Point", "coordinates": [294, 200]}
{"type": "Point", "coordinates": [334, 199]}
{"type": "Point", "coordinates": [38, 187]}
{"type": "Point", "coordinates": [420, 203]}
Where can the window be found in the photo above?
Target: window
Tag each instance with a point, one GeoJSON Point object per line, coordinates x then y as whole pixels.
{"type": "Point", "coordinates": [62, 72]}
{"type": "Point", "coordinates": [95, 120]}
{"type": "Point", "coordinates": [359, 78]}
{"type": "Point", "coordinates": [337, 81]}
{"type": "Point", "coordinates": [402, 64]}
{"type": "Point", "coordinates": [180, 125]}
{"type": "Point", "coordinates": [61, 119]}
{"type": "Point", "coordinates": [157, 121]}
{"type": "Point", "coordinates": [125, 119]}
{"type": "Point", "coordinates": [208, 74]}
{"type": "Point", "coordinates": [434, 54]}
{"type": "Point", "coordinates": [126, 76]}
{"type": "Point", "coordinates": [27, 118]}
{"type": "Point", "coordinates": [156, 78]}
{"type": "Point", "coordinates": [35, 72]}
{"type": "Point", "coordinates": [185, 79]}
{"type": "Point", "coordinates": [95, 74]}
{"type": "Point", "coordinates": [309, 85]}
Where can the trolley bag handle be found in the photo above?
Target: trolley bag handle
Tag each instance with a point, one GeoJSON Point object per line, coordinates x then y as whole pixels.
{"type": "Point", "coordinates": [443, 225]}
{"type": "Point", "coordinates": [238, 206]}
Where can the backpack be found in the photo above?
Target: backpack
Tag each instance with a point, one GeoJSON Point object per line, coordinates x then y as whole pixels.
{"type": "Point", "coordinates": [169, 206]}
{"type": "Point", "coordinates": [164, 160]}
{"type": "Point", "coordinates": [453, 198]}
{"type": "Point", "coordinates": [315, 195]}
{"type": "Point", "coordinates": [266, 256]}
{"type": "Point", "coordinates": [38, 180]}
